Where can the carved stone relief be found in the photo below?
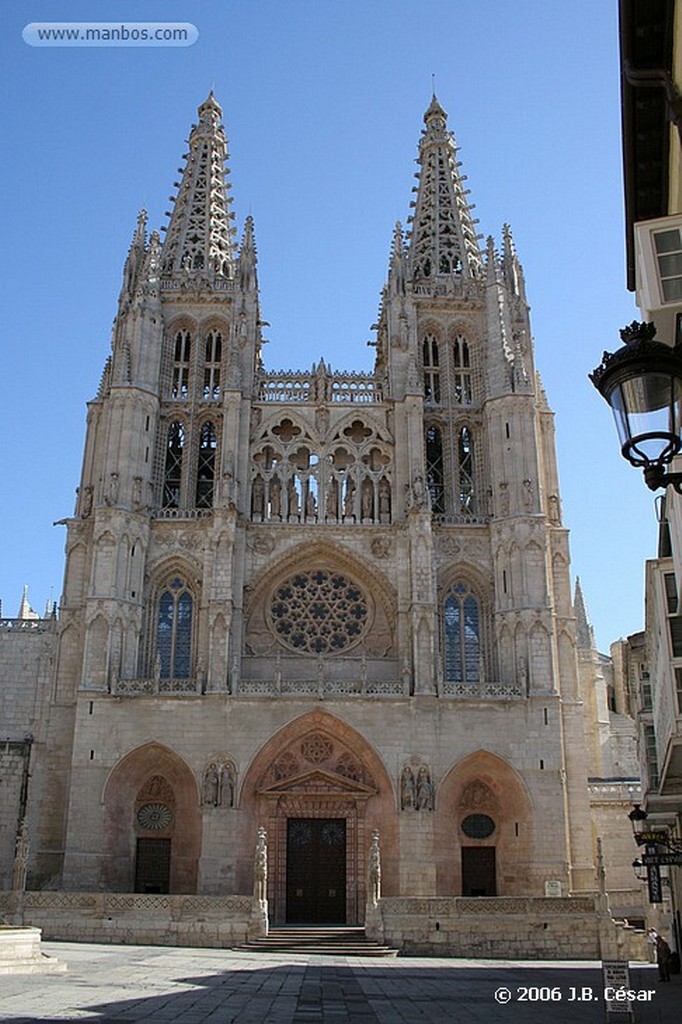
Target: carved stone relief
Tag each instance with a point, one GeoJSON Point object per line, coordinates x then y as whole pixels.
{"type": "Point", "coordinates": [218, 783]}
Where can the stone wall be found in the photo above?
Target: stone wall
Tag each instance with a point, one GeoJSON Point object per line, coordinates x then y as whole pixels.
{"type": "Point", "coordinates": [497, 928]}
{"type": "Point", "coordinates": [133, 918]}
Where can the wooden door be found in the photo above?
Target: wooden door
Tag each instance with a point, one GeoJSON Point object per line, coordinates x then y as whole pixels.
{"type": "Point", "coordinates": [316, 871]}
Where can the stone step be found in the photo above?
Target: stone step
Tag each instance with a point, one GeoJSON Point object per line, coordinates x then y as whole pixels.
{"type": "Point", "coordinates": [339, 941]}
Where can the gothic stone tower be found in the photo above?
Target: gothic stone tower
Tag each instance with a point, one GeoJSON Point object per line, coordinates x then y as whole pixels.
{"type": "Point", "coordinates": [320, 602]}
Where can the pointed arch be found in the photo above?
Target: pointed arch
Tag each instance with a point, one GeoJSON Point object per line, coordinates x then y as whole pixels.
{"type": "Point", "coordinates": [466, 472]}
{"type": "Point", "coordinates": [126, 790]}
{"type": "Point", "coordinates": [466, 635]}
{"type": "Point", "coordinates": [484, 785]}
{"type": "Point", "coordinates": [435, 466]}
{"type": "Point", "coordinates": [431, 341]}
{"type": "Point", "coordinates": [318, 766]}
{"type": "Point", "coordinates": [182, 361]}
{"type": "Point", "coordinates": [206, 465]}
{"type": "Point", "coordinates": [173, 464]}
{"type": "Point", "coordinates": [534, 571]}
{"type": "Point", "coordinates": [173, 602]}
{"type": "Point", "coordinates": [341, 605]}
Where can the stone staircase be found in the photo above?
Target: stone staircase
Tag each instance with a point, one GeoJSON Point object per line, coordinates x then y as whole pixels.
{"type": "Point", "coordinates": [337, 940]}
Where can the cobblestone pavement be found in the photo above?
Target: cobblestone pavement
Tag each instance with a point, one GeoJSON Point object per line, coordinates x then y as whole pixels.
{"type": "Point", "coordinates": [116, 984]}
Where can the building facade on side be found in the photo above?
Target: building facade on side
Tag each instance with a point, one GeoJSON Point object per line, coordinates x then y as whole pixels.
{"type": "Point", "coordinates": [323, 604]}
{"type": "Point", "coordinates": [651, 76]}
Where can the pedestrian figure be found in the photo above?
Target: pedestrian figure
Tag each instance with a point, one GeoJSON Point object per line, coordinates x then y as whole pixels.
{"type": "Point", "coordinates": [663, 956]}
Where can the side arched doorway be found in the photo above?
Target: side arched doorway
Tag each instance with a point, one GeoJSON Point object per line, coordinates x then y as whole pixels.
{"type": "Point", "coordinates": [319, 790]}
{"type": "Point", "coordinates": [153, 826]}
{"type": "Point", "coordinates": [484, 844]}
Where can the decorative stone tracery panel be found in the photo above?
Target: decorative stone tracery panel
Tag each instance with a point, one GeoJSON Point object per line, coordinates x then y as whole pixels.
{"type": "Point", "coordinates": [319, 612]}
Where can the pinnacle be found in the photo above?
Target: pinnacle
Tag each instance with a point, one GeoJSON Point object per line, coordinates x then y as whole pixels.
{"type": "Point", "coordinates": [444, 242]}
{"type": "Point", "coordinates": [434, 110]}
{"type": "Point", "coordinates": [585, 632]}
{"type": "Point", "coordinates": [210, 104]}
{"type": "Point", "coordinates": [200, 233]}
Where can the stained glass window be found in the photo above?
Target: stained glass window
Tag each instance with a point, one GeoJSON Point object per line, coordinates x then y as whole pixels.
{"type": "Point", "coordinates": [462, 635]}
{"type": "Point", "coordinates": [174, 631]}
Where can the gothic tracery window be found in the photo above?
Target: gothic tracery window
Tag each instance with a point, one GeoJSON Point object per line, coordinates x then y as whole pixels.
{"type": "Point", "coordinates": [465, 459]}
{"type": "Point", "coordinates": [206, 466]}
{"type": "Point", "coordinates": [181, 364]}
{"type": "Point", "coordinates": [435, 479]}
{"type": "Point", "coordinates": [213, 357]}
{"type": "Point", "coordinates": [431, 368]}
{"type": "Point", "coordinates": [174, 631]}
{"type": "Point", "coordinates": [462, 635]}
{"type": "Point", "coordinates": [172, 481]}
{"type": "Point", "coordinates": [297, 478]}
{"type": "Point", "coordinates": [319, 612]}
{"type": "Point", "coordinates": [462, 389]}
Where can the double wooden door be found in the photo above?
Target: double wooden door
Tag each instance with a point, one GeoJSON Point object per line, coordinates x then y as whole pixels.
{"type": "Point", "coordinates": [316, 871]}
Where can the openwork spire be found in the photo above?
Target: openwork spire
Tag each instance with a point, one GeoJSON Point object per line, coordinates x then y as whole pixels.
{"type": "Point", "coordinates": [200, 233]}
{"type": "Point", "coordinates": [444, 238]}
{"type": "Point", "coordinates": [585, 632]}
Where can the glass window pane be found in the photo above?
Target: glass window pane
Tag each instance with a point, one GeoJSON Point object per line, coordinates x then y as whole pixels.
{"type": "Point", "coordinates": [183, 637]}
{"type": "Point", "coordinates": [667, 241]}
{"type": "Point", "coordinates": [164, 633]}
{"type": "Point", "coordinates": [670, 266]}
{"type": "Point", "coordinates": [672, 288]}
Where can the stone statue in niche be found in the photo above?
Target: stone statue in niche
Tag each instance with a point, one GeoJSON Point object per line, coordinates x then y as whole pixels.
{"type": "Point", "coordinates": [528, 495]}
{"type": "Point", "coordinates": [504, 499]}
{"type": "Point", "coordinates": [554, 510]}
{"type": "Point", "coordinates": [137, 491]}
{"type": "Point", "coordinates": [112, 493]}
{"type": "Point", "coordinates": [86, 507]}
{"type": "Point", "coordinates": [384, 501]}
{"type": "Point", "coordinates": [210, 786]}
{"type": "Point", "coordinates": [408, 790]}
{"type": "Point", "coordinates": [322, 419]}
{"type": "Point", "coordinates": [258, 496]}
{"type": "Point", "coordinates": [218, 784]}
{"type": "Point", "coordinates": [424, 790]}
{"type": "Point", "coordinates": [260, 873]}
{"type": "Point", "coordinates": [416, 494]}
{"type": "Point", "coordinates": [333, 499]}
{"type": "Point", "coordinates": [367, 501]}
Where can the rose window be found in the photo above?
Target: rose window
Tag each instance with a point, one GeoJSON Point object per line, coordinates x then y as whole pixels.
{"type": "Point", "coordinates": [154, 816]}
{"type": "Point", "coordinates": [319, 612]}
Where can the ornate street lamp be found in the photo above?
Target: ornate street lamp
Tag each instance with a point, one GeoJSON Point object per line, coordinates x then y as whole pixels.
{"type": "Point", "coordinates": [642, 382]}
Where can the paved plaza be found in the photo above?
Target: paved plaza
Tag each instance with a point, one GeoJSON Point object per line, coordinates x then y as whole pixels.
{"type": "Point", "coordinates": [108, 984]}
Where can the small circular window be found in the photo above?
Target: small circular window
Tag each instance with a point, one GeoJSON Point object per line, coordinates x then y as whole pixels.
{"type": "Point", "coordinates": [154, 817]}
{"type": "Point", "coordinates": [478, 826]}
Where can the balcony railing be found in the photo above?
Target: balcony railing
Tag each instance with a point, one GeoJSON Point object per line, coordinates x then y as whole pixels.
{"type": "Point", "coordinates": [293, 386]}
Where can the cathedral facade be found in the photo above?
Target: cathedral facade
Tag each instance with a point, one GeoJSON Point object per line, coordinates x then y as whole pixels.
{"type": "Point", "coordinates": [323, 604]}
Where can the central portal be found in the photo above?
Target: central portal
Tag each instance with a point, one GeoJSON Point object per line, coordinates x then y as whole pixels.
{"type": "Point", "coordinates": [316, 871]}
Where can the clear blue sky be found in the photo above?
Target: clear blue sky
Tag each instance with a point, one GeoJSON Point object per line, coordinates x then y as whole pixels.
{"type": "Point", "coordinates": [323, 101]}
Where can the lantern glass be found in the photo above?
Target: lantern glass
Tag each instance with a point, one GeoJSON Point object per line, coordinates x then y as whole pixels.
{"type": "Point", "coordinates": [646, 408]}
